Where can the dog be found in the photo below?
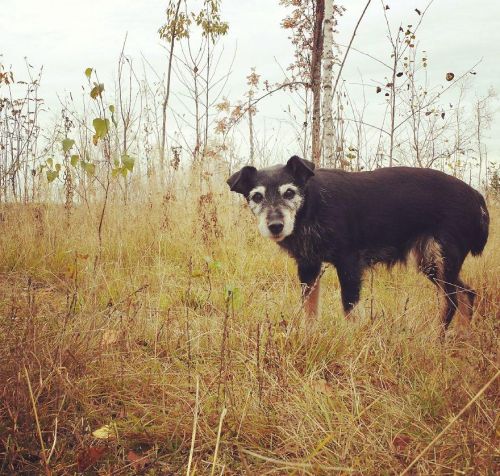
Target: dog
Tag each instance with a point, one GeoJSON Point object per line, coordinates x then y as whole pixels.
{"type": "Point", "coordinates": [354, 220]}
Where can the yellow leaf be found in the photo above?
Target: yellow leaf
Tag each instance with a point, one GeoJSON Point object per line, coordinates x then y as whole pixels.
{"type": "Point", "coordinates": [104, 433]}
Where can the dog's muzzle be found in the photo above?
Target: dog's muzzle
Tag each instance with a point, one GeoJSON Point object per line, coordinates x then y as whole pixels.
{"type": "Point", "coordinates": [276, 223]}
{"type": "Point", "coordinates": [276, 227]}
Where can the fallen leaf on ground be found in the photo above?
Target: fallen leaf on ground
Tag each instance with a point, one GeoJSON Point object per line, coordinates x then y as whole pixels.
{"type": "Point", "coordinates": [137, 461]}
{"type": "Point", "coordinates": [400, 442]}
{"type": "Point", "coordinates": [87, 457]}
{"type": "Point", "coordinates": [104, 432]}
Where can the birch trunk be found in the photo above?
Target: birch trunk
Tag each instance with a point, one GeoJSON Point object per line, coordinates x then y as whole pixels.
{"type": "Point", "coordinates": [328, 63]}
{"type": "Point", "coordinates": [250, 129]}
{"type": "Point", "coordinates": [317, 51]}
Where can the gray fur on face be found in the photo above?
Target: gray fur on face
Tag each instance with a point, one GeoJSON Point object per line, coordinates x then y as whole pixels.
{"type": "Point", "coordinates": [276, 203]}
{"type": "Point", "coordinates": [274, 194]}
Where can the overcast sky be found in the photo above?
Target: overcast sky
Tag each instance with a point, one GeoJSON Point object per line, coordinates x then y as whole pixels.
{"type": "Point", "coordinates": [66, 36]}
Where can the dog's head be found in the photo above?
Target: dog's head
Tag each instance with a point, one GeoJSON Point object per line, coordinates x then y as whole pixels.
{"type": "Point", "coordinates": [274, 194]}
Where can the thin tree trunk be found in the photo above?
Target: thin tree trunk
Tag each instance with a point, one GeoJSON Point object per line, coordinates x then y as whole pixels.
{"type": "Point", "coordinates": [197, 115]}
{"type": "Point", "coordinates": [479, 145]}
{"type": "Point", "coordinates": [207, 91]}
{"type": "Point", "coordinates": [317, 51]}
{"type": "Point", "coordinates": [167, 92]}
{"type": "Point", "coordinates": [393, 105]}
{"type": "Point", "coordinates": [250, 131]}
{"type": "Point", "coordinates": [328, 63]}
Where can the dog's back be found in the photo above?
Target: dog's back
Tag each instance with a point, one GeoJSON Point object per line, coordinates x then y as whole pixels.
{"type": "Point", "coordinates": [393, 206]}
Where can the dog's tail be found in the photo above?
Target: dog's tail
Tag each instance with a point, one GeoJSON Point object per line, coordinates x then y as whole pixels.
{"type": "Point", "coordinates": [482, 230]}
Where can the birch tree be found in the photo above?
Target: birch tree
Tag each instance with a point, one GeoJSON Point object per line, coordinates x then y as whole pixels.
{"type": "Point", "coordinates": [328, 64]}
{"type": "Point", "coordinates": [317, 53]}
{"type": "Point", "coordinates": [305, 22]}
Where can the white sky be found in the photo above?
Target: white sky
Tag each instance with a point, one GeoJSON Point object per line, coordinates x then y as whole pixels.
{"type": "Point", "coordinates": [66, 36]}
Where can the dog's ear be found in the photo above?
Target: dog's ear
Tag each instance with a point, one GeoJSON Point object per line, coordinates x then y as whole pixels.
{"type": "Point", "coordinates": [242, 181]}
{"type": "Point", "coordinates": [301, 169]}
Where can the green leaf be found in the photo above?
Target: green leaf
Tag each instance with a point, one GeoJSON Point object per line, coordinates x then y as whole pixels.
{"type": "Point", "coordinates": [88, 72]}
{"type": "Point", "coordinates": [213, 264]}
{"type": "Point", "coordinates": [128, 162]}
{"type": "Point", "coordinates": [52, 175]}
{"type": "Point", "coordinates": [50, 161]}
{"type": "Point", "coordinates": [112, 110]}
{"type": "Point", "coordinates": [119, 171]}
{"type": "Point", "coordinates": [67, 144]}
{"type": "Point", "coordinates": [74, 160]}
{"type": "Point", "coordinates": [88, 167]}
{"type": "Point", "coordinates": [58, 167]}
{"type": "Point", "coordinates": [101, 127]}
{"type": "Point", "coordinates": [96, 90]}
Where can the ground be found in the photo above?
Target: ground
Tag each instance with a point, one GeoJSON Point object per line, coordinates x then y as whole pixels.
{"type": "Point", "coordinates": [178, 346]}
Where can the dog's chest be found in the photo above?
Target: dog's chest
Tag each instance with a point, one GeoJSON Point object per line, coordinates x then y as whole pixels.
{"type": "Point", "coordinates": [306, 244]}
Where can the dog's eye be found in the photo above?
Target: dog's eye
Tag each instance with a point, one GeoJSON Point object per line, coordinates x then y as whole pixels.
{"type": "Point", "coordinates": [289, 194]}
{"type": "Point", "coordinates": [257, 197]}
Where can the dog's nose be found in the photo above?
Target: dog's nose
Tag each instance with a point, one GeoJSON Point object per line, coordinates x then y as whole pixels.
{"type": "Point", "coordinates": [276, 228]}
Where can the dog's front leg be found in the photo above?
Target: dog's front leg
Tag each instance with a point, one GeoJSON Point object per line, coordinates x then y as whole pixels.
{"type": "Point", "coordinates": [309, 275]}
{"type": "Point", "coordinates": [349, 271]}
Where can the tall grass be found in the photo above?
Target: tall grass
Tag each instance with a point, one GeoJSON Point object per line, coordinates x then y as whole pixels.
{"type": "Point", "coordinates": [184, 334]}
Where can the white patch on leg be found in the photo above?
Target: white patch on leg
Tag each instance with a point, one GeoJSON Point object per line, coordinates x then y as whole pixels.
{"type": "Point", "coordinates": [432, 251]}
{"type": "Point", "coordinates": [427, 253]}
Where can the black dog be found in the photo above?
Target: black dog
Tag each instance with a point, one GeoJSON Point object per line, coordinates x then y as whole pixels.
{"type": "Point", "coordinates": [356, 219]}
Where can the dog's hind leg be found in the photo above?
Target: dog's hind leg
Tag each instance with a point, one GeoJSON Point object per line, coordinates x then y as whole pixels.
{"type": "Point", "coordinates": [448, 280]}
{"type": "Point", "coordinates": [429, 258]}
{"type": "Point", "coordinates": [441, 261]}
{"type": "Point", "coordinates": [451, 302]}
{"type": "Point", "coordinates": [309, 275]}
{"type": "Point", "coordinates": [349, 271]}
{"type": "Point", "coordinates": [466, 298]}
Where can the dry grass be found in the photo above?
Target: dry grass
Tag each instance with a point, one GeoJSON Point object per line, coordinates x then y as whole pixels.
{"type": "Point", "coordinates": [186, 337]}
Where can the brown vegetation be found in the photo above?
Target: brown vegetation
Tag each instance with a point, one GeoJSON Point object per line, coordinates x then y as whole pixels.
{"type": "Point", "coordinates": [185, 345]}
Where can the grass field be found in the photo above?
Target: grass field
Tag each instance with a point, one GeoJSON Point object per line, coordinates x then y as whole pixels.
{"type": "Point", "coordinates": [182, 342]}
